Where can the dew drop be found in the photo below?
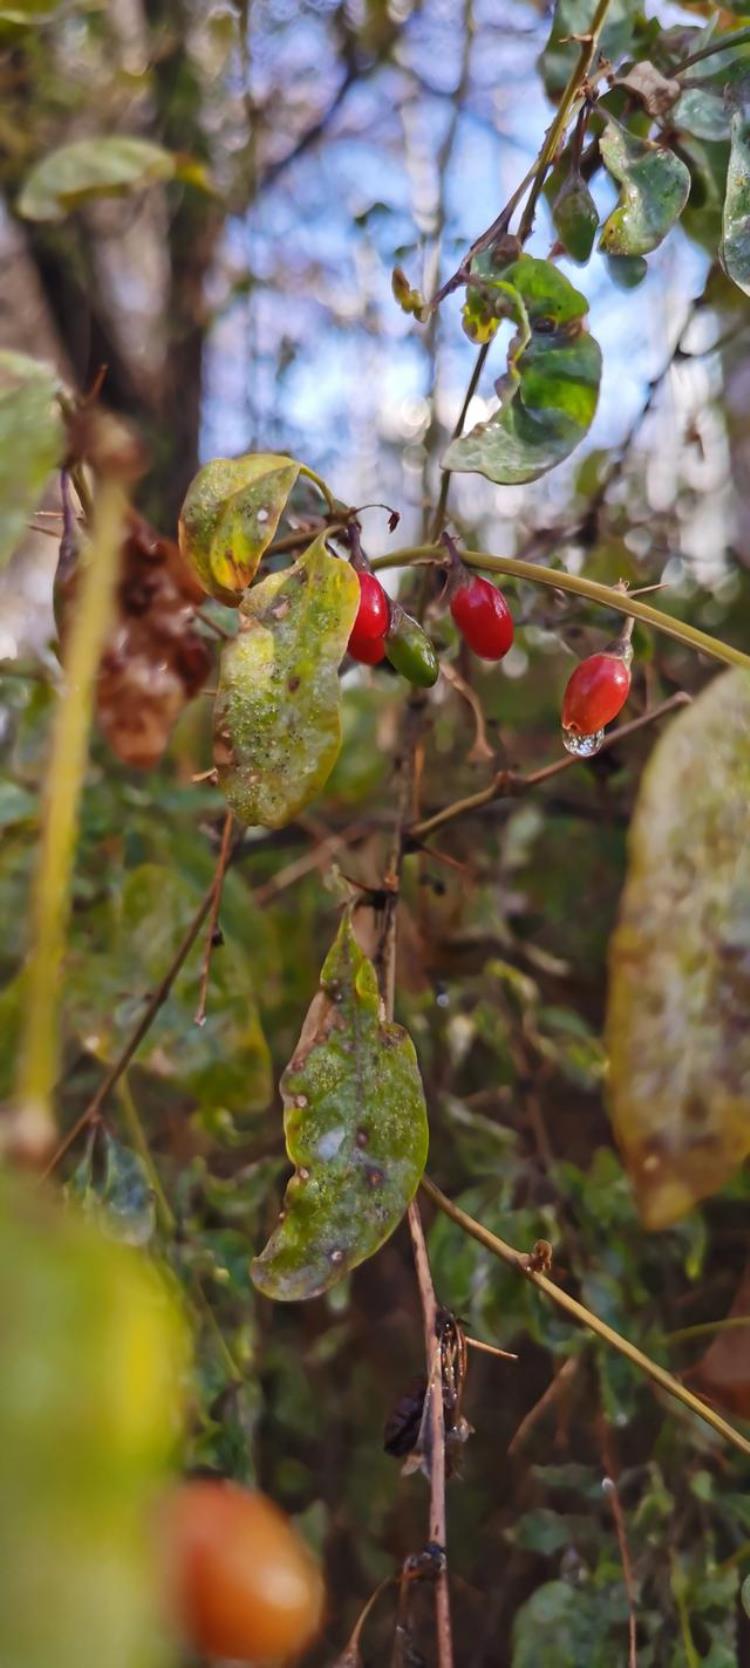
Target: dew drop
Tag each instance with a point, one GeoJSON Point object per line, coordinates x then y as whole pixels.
{"type": "Point", "coordinates": [582, 747]}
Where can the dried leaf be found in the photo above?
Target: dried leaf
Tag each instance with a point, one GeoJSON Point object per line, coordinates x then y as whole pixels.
{"type": "Point", "coordinates": [104, 166]}
{"type": "Point", "coordinates": [277, 730]}
{"type": "Point", "coordinates": [654, 188]}
{"type": "Point", "coordinates": [356, 1130]}
{"type": "Point", "coordinates": [677, 1032]}
{"type": "Point", "coordinates": [155, 661]}
{"type": "Point", "coordinates": [230, 516]}
{"type": "Point", "coordinates": [723, 1373]}
{"type": "Point", "coordinates": [656, 92]}
{"type": "Point", "coordinates": [32, 442]}
{"type": "Point", "coordinates": [551, 391]}
{"type": "Point", "coordinates": [735, 239]}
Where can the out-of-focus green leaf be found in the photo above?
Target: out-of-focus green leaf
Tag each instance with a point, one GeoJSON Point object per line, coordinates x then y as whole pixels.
{"type": "Point", "coordinates": [703, 112]}
{"type": "Point", "coordinates": [575, 217]}
{"type": "Point", "coordinates": [119, 955]}
{"type": "Point", "coordinates": [678, 1041]}
{"type": "Point", "coordinates": [111, 1185]}
{"type": "Point", "coordinates": [626, 271]}
{"type": "Point", "coordinates": [356, 1131]}
{"type": "Point", "coordinates": [735, 238]}
{"type": "Point", "coordinates": [230, 516]}
{"type": "Point", "coordinates": [654, 188]}
{"type": "Point", "coordinates": [31, 442]}
{"type": "Point", "coordinates": [552, 387]}
{"type": "Point", "coordinates": [564, 1626]}
{"type": "Point", "coordinates": [277, 727]}
{"type": "Point", "coordinates": [108, 165]}
{"type": "Point", "coordinates": [89, 1412]}
{"type": "Point", "coordinates": [573, 18]}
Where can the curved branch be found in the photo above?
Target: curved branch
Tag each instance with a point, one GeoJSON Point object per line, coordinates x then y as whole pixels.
{"type": "Point", "coordinates": [585, 1317]}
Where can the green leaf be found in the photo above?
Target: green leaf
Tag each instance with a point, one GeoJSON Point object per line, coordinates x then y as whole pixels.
{"type": "Point", "coordinates": [277, 728]}
{"type": "Point", "coordinates": [230, 516]}
{"type": "Point", "coordinates": [356, 1131]}
{"type": "Point", "coordinates": [735, 239]}
{"type": "Point", "coordinates": [574, 18]}
{"type": "Point", "coordinates": [563, 1626]}
{"type": "Point", "coordinates": [626, 271]}
{"type": "Point", "coordinates": [112, 1187]}
{"type": "Point", "coordinates": [703, 112]}
{"type": "Point", "coordinates": [109, 165]}
{"type": "Point", "coordinates": [552, 388]}
{"type": "Point", "coordinates": [575, 216]}
{"type": "Point", "coordinates": [678, 1041]}
{"type": "Point", "coordinates": [655, 185]}
{"type": "Point", "coordinates": [119, 955]}
{"type": "Point", "coordinates": [32, 442]}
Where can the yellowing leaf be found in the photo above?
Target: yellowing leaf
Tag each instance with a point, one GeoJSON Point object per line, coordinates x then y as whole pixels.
{"type": "Point", "coordinates": [105, 166]}
{"type": "Point", "coordinates": [356, 1131]}
{"type": "Point", "coordinates": [277, 727]}
{"type": "Point", "coordinates": [654, 188]}
{"type": "Point", "coordinates": [230, 516]}
{"type": "Point", "coordinates": [90, 1403]}
{"type": "Point", "coordinates": [677, 1023]}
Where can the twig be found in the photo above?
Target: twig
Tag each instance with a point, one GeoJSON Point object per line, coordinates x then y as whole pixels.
{"type": "Point", "coordinates": [31, 1125]}
{"type": "Point", "coordinates": [148, 1016]}
{"type": "Point", "coordinates": [609, 1485]}
{"type": "Point", "coordinates": [561, 1381]}
{"type": "Point", "coordinates": [510, 782]}
{"type": "Point", "coordinates": [589, 47]}
{"type": "Point", "coordinates": [218, 882]}
{"type": "Point", "coordinates": [722, 43]}
{"type": "Point", "coordinates": [607, 596]}
{"type": "Point", "coordinates": [585, 1317]}
{"type": "Point", "coordinates": [428, 1300]}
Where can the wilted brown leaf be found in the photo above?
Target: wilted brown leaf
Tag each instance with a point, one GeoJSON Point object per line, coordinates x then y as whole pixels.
{"type": "Point", "coordinates": [155, 661]}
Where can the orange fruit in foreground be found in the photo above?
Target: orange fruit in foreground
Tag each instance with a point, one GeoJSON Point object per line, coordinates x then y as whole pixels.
{"type": "Point", "coordinates": [242, 1583]}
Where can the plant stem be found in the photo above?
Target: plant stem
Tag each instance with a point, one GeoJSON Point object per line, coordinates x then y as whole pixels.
{"type": "Point", "coordinates": [723, 43]}
{"type": "Point", "coordinates": [213, 918]}
{"type": "Point", "coordinates": [32, 1124]}
{"type": "Point", "coordinates": [132, 1121]}
{"type": "Point", "coordinates": [585, 1317]}
{"type": "Point", "coordinates": [509, 782]}
{"type": "Point", "coordinates": [607, 596]}
{"type": "Point", "coordinates": [589, 47]}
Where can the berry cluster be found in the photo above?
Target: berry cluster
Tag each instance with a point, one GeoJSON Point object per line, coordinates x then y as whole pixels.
{"type": "Point", "coordinates": [596, 691]}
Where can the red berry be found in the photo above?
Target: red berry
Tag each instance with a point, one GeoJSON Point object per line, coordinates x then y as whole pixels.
{"type": "Point", "coordinates": [597, 690]}
{"type": "Point", "coordinates": [373, 614]}
{"type": "Point", "coordinates": [240, 1582]}
{"type": "Point", "coordinates": [370, 650]}
{"type": "Point", "coordinates": [484, 618]}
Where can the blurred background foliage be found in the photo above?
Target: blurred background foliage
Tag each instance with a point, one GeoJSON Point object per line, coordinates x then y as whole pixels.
{"type": "Point", "coordinates": [340, 139]}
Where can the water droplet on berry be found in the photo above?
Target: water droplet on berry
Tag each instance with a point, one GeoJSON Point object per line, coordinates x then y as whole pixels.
{"type": "Point", "coordinates": [583, 747]}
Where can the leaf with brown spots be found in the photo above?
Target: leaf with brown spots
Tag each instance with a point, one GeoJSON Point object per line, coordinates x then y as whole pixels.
{"type": "Point", "coordinates": [277, 727]}
{"type": "Point", "coordinates": [356, 1132]}
{"type": "Point", "coordinates": [230, 516]}
{"type": "Point", "coordinates": [155, 661]}
{"type": "Point", "coordinates": [677, 1030]}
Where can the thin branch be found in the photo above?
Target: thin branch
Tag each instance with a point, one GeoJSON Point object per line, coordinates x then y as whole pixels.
{"type": "Point", "coordinates": [585, 1317]}
{"type": "Point", "coordinates": [509, 782]}
{"type": "Point", "coordinates": [428, 1300]}
{"type": "Point", "coordinates": [556, 133]}
{"type": "Point", "coordinates": [609, 1485]}
{"type": "Point", "coordinates": [607, 596]}
{"type": "Point", "coordinates": [722, 43]}
{"type": "Point", "coordinates": [213, 918]}
{"type": "Point", "coordinates": [31, 1124]}
{"type": "Point", "coordinates": [155, 1002]}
